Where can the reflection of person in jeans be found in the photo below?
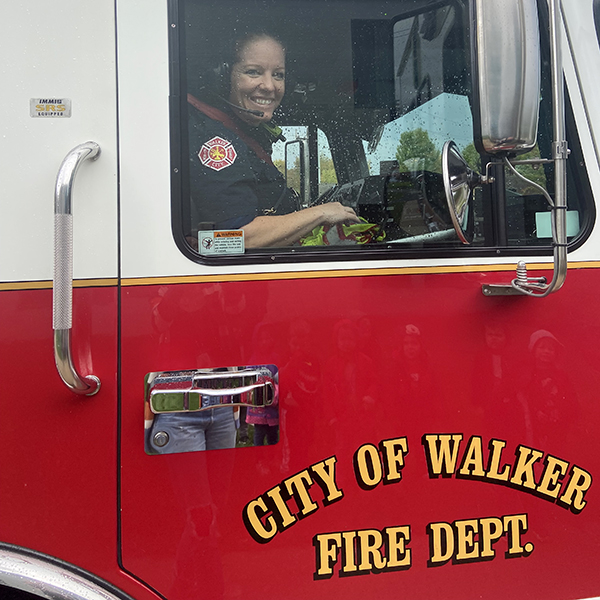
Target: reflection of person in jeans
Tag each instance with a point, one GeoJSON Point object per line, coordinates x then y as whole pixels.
{"type": "Point", "coordinates": [210, 429]}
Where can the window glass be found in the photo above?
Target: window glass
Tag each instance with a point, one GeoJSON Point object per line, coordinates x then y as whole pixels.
{"type": "Point", "coordinates": [327, 175]}
{"type": "Point", "coordinates": [289, 155]}
{"type": "Point", "coordinates": [318, 125]}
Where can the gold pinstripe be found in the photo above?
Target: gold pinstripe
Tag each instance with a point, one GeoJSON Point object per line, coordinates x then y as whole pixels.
{"type": "Point", "coordinates": [225, 277]}
{"type": "Point", "coordinates": [47, 285]}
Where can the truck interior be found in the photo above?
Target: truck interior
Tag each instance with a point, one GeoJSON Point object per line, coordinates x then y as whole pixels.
{"type": "Point", "coordinates": [373, 91]}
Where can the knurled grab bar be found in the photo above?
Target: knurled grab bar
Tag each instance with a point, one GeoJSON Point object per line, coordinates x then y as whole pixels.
{"type": "Point", "coordinates": [62, 290]}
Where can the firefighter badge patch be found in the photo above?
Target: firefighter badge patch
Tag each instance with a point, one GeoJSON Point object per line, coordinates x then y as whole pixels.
{"type": "Point", "coordinates": [217, 154]}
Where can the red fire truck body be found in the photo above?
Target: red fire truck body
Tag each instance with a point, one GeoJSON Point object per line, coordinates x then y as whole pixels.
{"type": "Point", "coordinates": [433, 440]}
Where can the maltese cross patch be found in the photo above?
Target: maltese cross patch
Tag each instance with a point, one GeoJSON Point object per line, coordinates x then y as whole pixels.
{"type": "Point", "coordinates": [217, 154]}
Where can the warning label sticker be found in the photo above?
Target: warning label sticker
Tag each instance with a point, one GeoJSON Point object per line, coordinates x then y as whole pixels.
{"type": "Point", "coordinates": [221, 242]}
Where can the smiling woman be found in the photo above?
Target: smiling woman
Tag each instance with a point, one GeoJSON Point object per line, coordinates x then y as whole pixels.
{"type": "Point", "coordinates": [234, 183]}
{"type": "Point", "coordinates": [258, 79]}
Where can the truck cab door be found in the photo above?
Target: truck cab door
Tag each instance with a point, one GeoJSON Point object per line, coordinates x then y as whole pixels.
{"type": "Point", "coordinates": [59, 74]}
{"type": "Point", "coordinates": [402, 398]}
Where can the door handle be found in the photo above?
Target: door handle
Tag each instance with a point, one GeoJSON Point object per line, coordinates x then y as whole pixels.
{"type": "Point", "coordinates": [191, 391]}
{"type": "Point", "coordinates": [62, 289]}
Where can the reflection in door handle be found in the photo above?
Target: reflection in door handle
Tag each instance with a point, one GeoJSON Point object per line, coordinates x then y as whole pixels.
{"type": "Point", "coordinates": [190, 391]}
{"type": "Point", "coordinates": [62, 290]}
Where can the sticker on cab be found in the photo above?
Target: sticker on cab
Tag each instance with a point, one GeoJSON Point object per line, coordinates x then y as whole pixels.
{"type": "Point", "coordinates": [50, 107]}
{"type": "Point", "coordinates": [217, 154]}
{"type": "Point", "coordinates": [221, 242]}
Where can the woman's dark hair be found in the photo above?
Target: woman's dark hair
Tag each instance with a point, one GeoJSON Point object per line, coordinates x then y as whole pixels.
{"type": "Point", "coordinates": [241, 42]}
{"type": "Point", "coordinates": [216, 79]}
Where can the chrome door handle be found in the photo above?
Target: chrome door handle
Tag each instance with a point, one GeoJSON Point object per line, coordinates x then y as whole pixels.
{"type": "Point", "coordinates": [191, 391]}
{"type": "Point", "coordinates": [62, 289]}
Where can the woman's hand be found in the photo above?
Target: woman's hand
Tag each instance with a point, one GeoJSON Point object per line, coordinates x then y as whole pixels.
{"type": "Point", "coordinates": [284, 230]}
{"type": "Point", "coordinates": [335, 213]}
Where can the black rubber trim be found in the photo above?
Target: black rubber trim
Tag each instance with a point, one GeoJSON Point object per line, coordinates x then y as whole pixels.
{"type": "Point", "coordinates": [596, 9]}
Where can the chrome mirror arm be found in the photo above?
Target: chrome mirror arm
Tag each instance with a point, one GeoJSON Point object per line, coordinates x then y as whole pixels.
{"type": "Point", "coordinates": [522, 284]}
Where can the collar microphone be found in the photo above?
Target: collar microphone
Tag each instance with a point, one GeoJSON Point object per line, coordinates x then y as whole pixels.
{"type": "Point", "coordinates": [256, 113]}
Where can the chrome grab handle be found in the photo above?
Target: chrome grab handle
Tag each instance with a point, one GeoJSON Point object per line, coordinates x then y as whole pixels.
{"type": "Point", "coordinates": [62, 289]}
{"type": "Point", "coordinates": [235, 391]}
{"type": "Point", "coordinates": [193, 391]}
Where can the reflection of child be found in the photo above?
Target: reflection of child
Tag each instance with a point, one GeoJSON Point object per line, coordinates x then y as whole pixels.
{"type": "Point", "coordinates": [493, 383]}
{"type": "Point", "coordinates": [549, 398]}
{"type": "Point", "coordinates": [413, 368]}
{"type": "Point", "coordinates": [266, 424]}
{"type": "Point", "coordinates": [264, 418]}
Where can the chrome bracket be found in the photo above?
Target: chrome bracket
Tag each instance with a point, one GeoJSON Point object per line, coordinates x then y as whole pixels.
{"type": "Point", "coordinates": [561, 150]}
{"type": "Point", "coordinates": [523, 284]}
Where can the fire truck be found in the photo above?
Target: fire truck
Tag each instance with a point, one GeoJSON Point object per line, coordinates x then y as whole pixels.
{"type": "Point", "coordinates": [411, 404]}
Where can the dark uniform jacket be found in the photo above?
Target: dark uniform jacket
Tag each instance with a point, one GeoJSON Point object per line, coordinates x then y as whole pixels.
{"type": "Point", "coordinates": [232, 177]}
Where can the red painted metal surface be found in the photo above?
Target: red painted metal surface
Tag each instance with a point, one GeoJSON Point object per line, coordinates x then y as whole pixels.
{"type": "Point", "coordinates": [58, 465]}
{"type": "Point", "coordinates": [361, 360]}
{"type": "Point", "coordinates": [365, 359]}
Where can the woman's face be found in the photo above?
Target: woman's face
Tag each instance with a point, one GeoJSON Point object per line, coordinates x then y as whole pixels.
{"type": "Point", "coordinates": [258, 79]}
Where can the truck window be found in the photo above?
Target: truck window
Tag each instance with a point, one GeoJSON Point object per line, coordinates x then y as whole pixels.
{"type": "Point", "coordinates": [325, 135]}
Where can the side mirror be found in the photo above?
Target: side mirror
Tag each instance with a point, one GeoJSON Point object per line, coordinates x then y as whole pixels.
{"type": "Point", "coordinates": [507, 98]}
{"type": "Point", "coordinates": [507, 76]}
{"type": "Point", "coordinates": [459, 182]}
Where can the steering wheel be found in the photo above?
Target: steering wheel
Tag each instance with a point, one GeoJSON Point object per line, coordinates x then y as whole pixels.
{"type": "Point", "coordinates": [327, 196]}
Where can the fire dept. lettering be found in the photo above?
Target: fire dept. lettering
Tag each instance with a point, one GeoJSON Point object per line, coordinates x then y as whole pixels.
{"type": "Point", "coordinates": [362, 552]}
{"type": "Point", "coordinates": [270, 513]}
{"type": "Point", "coordinates": [472, 540]}
{"type": "Point", "coordinates": [379, 550]}
{"type": "Point", "coordinates": [370, 468]}
{"type": "Point", "coordinates": [442, 452]}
